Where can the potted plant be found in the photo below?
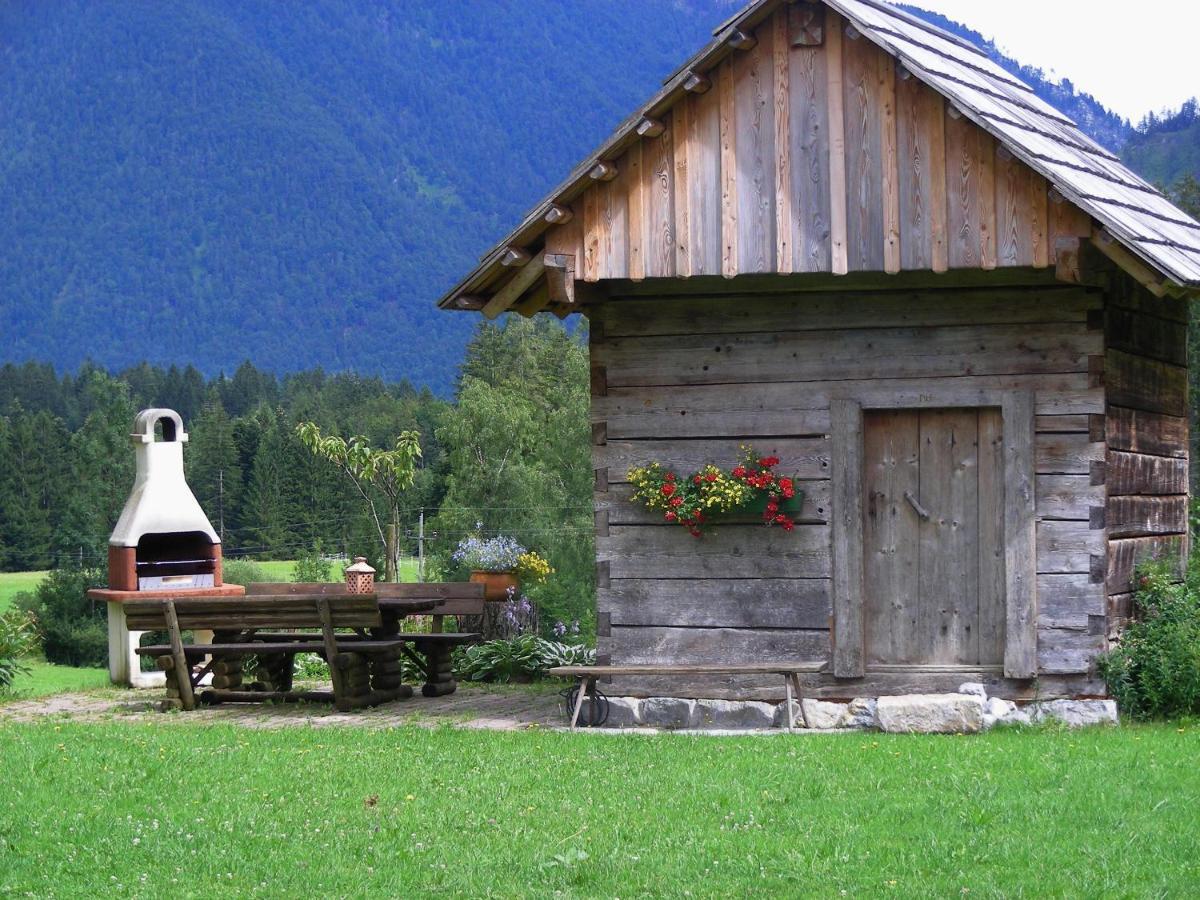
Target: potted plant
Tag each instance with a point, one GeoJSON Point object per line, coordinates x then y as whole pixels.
{"type": "Point", "coordinates": [494, 562]}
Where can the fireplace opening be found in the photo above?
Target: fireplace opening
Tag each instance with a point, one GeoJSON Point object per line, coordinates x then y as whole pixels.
{"type": "Point", "coordinates": [175, 560]}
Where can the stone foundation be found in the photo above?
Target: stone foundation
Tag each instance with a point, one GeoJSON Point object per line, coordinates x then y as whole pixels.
{"type": "Point", "coordinates": [967, 711]}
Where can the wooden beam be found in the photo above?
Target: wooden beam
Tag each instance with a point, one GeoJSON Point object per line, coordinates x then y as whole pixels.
{"type": "Point", "coordinates": [514, 257]}
{"type": "Point", "coordinates": [651, 128]}
{"type": "Point", "coordinates": [728, 137]}
{"type": "Point", "coordinates": [1103, 240]}
{"type": "Point", "coordinates": [837, 152]}
{"type": "Point", "coordinates": [697, 83]}
{"type": "Point", "coordinates": [1066, 260]}
{"type": "Point", "coordinates": [781, 64]}
{"type": "Point", "coordinates": [560, 277]}
{"type": "Point", "coordinates": [533, 302]}
{"type": "Point", "coordinates": [469, 301]}
{"type": "Point", "coordinates": [1020, 536]}
{"type": "Point", "coordinates": [846, 424]}
{"type": "Point", "coordinates": [740, 40]}
{"type": "Point", "coordinates": [514, 288]}
{"type": "Point", "coordinates": [891, 166]}
{"type": "Point", "coordinates": [557, 214]}
{"type": "Point", "coordinates": [603, 171]}
{"type": "Point", "coordinates": [682, 194]}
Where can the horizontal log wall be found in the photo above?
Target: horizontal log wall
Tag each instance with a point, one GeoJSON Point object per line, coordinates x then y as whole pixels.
{"type": "Point", "coordinates": [1146, 429]}
{"type": "Point", "coordinates": [827, 158]}
{"type": "Point", "coordinates": [686, 380]}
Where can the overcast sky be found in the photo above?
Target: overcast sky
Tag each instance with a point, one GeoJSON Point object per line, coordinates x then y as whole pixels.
{"type": "Point", "coordinates": [1133, 57]}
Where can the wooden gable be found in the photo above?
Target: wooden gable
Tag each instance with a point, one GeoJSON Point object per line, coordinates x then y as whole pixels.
{"type": "Point", "coordinates": [812, 150]}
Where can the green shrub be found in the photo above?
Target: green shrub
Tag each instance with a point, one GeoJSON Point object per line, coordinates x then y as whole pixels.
{"type": "Point", "coordinates": [243, 572]}
{"type": "Point", "coordinates": [1154, 672]}
{"type": "Point", "coordinates": [312, 568]}
{"type": "Point", "coordinates": [74, 629]}
{"type": "Point", "coordinates": [18, 639]}
{"type": "Point", "coordinates": [527, 656]}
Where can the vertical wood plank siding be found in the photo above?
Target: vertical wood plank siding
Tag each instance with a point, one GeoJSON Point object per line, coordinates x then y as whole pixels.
{"type": "Point", "coordinates": [817, 159]}
{"type": "Point", "coordinates": [687, 379]}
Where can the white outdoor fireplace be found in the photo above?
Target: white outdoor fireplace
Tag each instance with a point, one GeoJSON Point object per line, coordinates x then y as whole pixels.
{"type": "Point", "coordinates": [163, 541]}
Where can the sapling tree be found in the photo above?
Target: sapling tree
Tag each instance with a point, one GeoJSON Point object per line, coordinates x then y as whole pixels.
{"type": "Point", "coordinates": [390, 472]}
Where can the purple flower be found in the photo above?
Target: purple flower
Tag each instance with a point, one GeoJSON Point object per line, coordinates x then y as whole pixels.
{"type": "Point", "coordinates": [559, 629]}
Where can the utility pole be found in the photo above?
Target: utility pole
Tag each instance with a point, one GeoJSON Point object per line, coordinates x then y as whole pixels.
{"type": "Point", "coordinates": [221, 504]}
{"type": "Point", "coordinates": [421, 546]}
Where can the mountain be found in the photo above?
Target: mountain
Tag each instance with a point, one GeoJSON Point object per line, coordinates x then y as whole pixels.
{"type": "Point", "coordinates": [1100, 123]}
{"type": "Point", "coordinates": [295, 183]}
{"type": "Point", "coordinates": [1166, 148]}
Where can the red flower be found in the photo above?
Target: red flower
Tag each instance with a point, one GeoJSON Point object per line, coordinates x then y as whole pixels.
{"type": "Point", "coordinates": [788, 493]}
{"type": "Point", "coordinates": [697, 479]}
{"type": "Point", "coordinates": [671, 517]}
{"type": "Point", "coordinates": [786, 483]}
{"type": "Point", "coordinates": [767, 461]}
{"type": "Point", "coordinates": [710, 477]}
{"type": "Point", "coordinates": [677, 501]}
{"type": "Point", "coordinates": [668, 490]}
{"type": "Point", "coordinates": [670, 476]}
{"type": "Point", "coordinates": [739, 472]}
{"type": "Point", "coordinates": [788, 525]}
{"type": "Point", "coordinates": [772, 507]}
{"type": "Point", "coordinates": [780, 519]}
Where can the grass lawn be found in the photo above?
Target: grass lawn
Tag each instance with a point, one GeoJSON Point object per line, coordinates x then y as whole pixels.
{"type": "Point", "coordinates": [13, 583]}
{"type": "Point", "coordinates": [177, 809]}
{"type": "Point", "coordinates": [46, 678]}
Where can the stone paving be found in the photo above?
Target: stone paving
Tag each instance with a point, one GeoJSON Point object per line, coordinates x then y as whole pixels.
{"type": "Point", "coordinates": [506, 708]}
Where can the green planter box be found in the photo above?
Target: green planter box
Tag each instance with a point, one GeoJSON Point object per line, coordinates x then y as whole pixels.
{"type": "Point", "coordinates": [790, 508]}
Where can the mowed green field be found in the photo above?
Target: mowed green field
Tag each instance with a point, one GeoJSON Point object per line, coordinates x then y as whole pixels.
{"type": "Point", "coordinates": [182, 809]}
{"type": "Point", "coordinates": [46, 678]}
{"type": "Point", "coordinates": [13, 583]}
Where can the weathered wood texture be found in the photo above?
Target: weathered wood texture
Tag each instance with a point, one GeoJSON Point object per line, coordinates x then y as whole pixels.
{"type": "Point", "coordinates": [1145, 472]}
{"type": "Point", "coordinates": [814, 158]}
{"type": "Point", "coordinates": [686, 380]}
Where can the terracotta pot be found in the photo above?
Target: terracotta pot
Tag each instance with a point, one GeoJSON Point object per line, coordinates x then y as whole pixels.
{"type": "Point", "coordinates": [495, 584]}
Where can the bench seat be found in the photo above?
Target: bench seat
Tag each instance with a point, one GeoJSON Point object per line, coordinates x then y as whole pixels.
{"type": "Point", "coordinates": [309, 644]}
{"type": "Point", "coordinates": [791, 672]}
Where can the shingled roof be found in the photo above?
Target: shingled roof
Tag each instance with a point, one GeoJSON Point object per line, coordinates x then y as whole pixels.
{"type": "Point", "coordinates": [1132, 213]}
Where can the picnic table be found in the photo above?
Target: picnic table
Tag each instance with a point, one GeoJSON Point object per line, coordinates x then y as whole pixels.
{"type": "Point", "coordinates": [365, 663]}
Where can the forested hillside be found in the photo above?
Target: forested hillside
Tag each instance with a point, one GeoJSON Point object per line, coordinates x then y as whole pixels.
{"type": "Point", "coordinates": [294, 184]}
{"type": "Point", "coordinates": [1165, 148]}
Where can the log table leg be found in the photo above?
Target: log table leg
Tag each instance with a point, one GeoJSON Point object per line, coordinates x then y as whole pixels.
{"type": "Point", "coordinates": [439, 671]}
{"type": "Point", "coordinates": [387, 674]}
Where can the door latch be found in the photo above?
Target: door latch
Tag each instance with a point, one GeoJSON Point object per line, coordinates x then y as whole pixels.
{"type": "Point", "coordinates": [916, 505]}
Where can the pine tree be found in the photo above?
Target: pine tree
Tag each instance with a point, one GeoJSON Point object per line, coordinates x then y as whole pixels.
{"type": "Point", "coordinates": [214, 469]}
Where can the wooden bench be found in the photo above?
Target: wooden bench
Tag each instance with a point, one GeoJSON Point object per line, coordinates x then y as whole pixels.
{"type": "Point", "coordinates": [791, 673]}
{"type": "Point", "coordinates": [398, 600]}
{"type": "Point", "coordinates": [365, 671]}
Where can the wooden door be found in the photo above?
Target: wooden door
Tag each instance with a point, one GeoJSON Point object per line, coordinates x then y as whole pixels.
{"type": "Point", "coordinates": [933, 537]}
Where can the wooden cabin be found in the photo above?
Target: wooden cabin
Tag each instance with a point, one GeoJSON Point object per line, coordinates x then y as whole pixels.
{"type": "Point", "coordinates": [850, 239]}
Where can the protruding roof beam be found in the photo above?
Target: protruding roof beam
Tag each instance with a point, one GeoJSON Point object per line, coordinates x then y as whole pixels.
{"type": "Point", "coordinates": [650, 128]}
{"type": "Point", "coordinates": [514, 288]}
{"type": "Point", "coordinates": [557, 214]}
{"type": "Point", "coordinates": [560, 277]}
{"type": "Point", "coordinates": [740, 40]}
{"type": "Point", "coordinates": [697, 83]}
{"type": "Point", "coordinates": [514, 257]}
{"type": "Point", "coordinates": [469, 301]}
{"type": "Point", "coordinates": [1103, 240]}
{"type": "Point", "coordinates": [603, 171]}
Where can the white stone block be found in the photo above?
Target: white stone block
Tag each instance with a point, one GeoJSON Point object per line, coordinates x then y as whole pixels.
{"type": "Point", "coordinates": [668, 712]}
{"type": "Point", "coordinates": [974, 688]}
{"type": "Point", "coordinates": [823, 715]}
{"type": "Point", "coordinates": [930, 713]}
{"type": "Point", "coordinates": [1076, 713]}
{"type": "Point", "coordinates": [624, 712]}
{"type": "Point", "coordinates": [732, 714]}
